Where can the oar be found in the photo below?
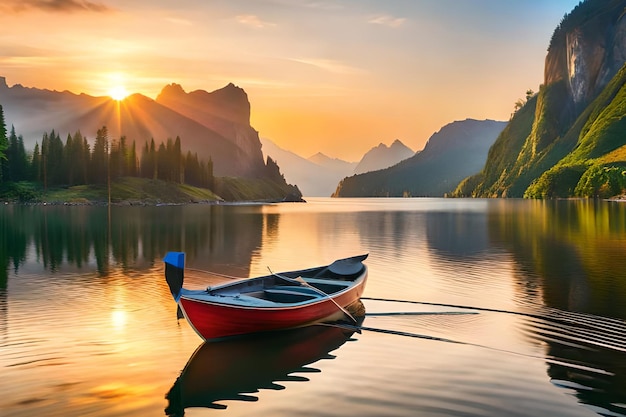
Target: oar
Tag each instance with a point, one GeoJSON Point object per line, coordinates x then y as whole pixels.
{"type": "Point", "coordinates": [300, 281]}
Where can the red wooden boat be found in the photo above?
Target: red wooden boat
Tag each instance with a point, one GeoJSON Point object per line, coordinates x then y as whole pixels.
{"type": "Point", "coordinates": [276, 301]}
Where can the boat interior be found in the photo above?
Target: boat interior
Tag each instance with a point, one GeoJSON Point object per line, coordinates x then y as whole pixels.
{"type": "Point", "coordinates": [291, 287]}
{"type": "Point", "coordinates": [292, 293]}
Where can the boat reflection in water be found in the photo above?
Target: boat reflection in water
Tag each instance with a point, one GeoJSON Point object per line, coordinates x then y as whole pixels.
{"type": "Point", "coordinates": [233, 369]}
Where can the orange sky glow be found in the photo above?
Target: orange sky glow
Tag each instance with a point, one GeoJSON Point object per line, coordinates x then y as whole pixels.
{"type": "Point", "coordinates": [338, 77]}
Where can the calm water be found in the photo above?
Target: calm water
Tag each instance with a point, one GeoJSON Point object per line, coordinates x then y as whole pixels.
{"type": "Point", "coordinates": [474, 308]}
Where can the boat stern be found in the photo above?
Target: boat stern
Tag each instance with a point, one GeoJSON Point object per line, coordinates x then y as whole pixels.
{"type": "Point", "coordinates": [175, 272]}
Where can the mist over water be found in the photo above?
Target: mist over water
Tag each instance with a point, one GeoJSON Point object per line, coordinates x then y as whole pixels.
{"type": "Point", "coordinates": [473, 308]}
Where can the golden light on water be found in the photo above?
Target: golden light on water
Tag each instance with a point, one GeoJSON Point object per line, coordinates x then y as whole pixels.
{"type": "Point", "coordinates": [119, 319]}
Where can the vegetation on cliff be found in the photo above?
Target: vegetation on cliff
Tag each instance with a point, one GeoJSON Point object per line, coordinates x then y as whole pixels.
{"type": "Point", "coordinates": [567, 140]}
{"type": "Point", "coordinates": [596, 167]}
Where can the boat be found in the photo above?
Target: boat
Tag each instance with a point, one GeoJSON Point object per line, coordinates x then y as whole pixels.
{"type": "Point", "coordinates": [238, 369]}
{"type": "Point", "coordinates": [276, 301]}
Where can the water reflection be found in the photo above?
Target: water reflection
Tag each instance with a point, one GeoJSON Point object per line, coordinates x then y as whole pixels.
{"type": "Point", "coordinates": [457, 235]}
{"type": "Point", "coordinates": [535, 264]}
{"type": "Point", "coordinates": [130, 237]}
{"type": "Point", "coordinates": [603, 393]}
{"type": "Point", "coordinates": [576, 248]}
{"type": "Point", "coordinates": [235, 369]}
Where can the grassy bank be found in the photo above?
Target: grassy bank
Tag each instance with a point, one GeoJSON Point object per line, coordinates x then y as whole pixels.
{"type": "Point", "coordinates": [132, 190]}
{"type": "Point", "coordinates": [128, 190]}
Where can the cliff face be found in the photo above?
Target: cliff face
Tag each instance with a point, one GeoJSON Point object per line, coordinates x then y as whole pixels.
{"type": "Point", "coordinates": [225, 111]}
{"type": "Point", "coordinates": [586, 52]}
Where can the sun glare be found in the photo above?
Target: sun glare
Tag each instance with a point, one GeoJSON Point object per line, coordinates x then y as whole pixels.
{"type": "Point", "coordinates": [118, 92]}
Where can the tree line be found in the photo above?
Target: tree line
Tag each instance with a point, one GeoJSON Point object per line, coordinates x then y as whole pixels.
{"type": "Point", "coordinates": [75, 162]}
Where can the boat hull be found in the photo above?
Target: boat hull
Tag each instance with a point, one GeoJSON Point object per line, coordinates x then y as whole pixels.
{"type": "Point", "coordinates": [278, 301]}
{"type": "Point", "coordinates": [212, 320]}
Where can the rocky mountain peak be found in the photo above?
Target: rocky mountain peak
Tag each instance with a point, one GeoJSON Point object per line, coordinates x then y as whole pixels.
{"type": "Point", "coordinates": [172, 90]}
{"type": "Point", "coordinates": [383, 156]}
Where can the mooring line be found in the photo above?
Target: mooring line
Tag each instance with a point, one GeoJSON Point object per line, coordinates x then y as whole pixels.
{"type": "Point", "coordinates": [555, 361]}
{"type": "Point", "coordinates": [422, 313]}
{"type": "Point", "coordinates": [551, 316]}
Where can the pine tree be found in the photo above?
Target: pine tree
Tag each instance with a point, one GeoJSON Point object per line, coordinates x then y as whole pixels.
{"type": "Point", "coordinates": [71, 169]}
{"type": "Point", "coordinates": [3, 141]}
{"type": "Point", "coordinates": [43, 173]}
{"type": "Point", "coordinates": [100, 157]}
{"type": "Point", "coordinates": [210, 181]}
{"type": "Point", "coordinates": [131, 161]}
{"type": "Point", "coordinates": [153, 160]}
{"type": "Point", "coordinates": [10, 165]}
{"type": "Point", "coordinates": [86, 158]}
{"type": "Point", "coordinates": [55, 164]}
{"type": "Point", "coordinates": [76, 155]}
{"type": "Point", "coordinates": [161, 162]}
{"type": "Point", "coordinates": [35, 164]}
{"type": "Point", "coordinates": [22, 158]}
{"type": "Point", "coordinates": [177, 160]}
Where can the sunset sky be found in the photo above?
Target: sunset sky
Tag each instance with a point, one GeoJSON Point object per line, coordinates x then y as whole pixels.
{"type": "Point", "coordinates": [322, 75]}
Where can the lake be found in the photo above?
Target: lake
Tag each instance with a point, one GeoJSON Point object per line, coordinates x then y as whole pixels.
{"type": "Point", "coordinates": [473, 308]}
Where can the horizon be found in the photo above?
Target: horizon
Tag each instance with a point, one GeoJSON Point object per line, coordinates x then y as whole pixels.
{"type": "Point", "coordinates": [335, 77]}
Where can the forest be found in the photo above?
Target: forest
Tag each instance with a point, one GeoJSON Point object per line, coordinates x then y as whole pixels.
{"type": "Point", "coordinates": [55, 163]}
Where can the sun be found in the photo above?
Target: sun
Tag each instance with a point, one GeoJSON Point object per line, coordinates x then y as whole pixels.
{"type": "Point", "coordinates": [118, 92]}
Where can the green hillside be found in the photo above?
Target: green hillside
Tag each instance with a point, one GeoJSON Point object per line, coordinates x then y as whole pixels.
{"type": "Point", "coordinates": [569, 139]}
{"type": "Point", "coordinates": [595, 167]}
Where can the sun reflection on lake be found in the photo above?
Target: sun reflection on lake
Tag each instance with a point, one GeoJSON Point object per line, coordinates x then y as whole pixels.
{"type": "Point", "coordinates": [119, 319]}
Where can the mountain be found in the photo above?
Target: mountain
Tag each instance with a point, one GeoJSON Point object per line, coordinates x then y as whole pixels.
{"type": "Point", "coordinates": [314, 179]}
{"type": "Point", "coordinates": [568, 139]}
{"type": "Point", "coordinates": [382, 156]}
{"type": "Point", "coordinates": [220, 132]}
{"type": "Point", "coordinates": [457, 150]}
{"type": "Point", "coordinates": [333, 164]}
{"type": "Point", "coordinates": [225, 111]}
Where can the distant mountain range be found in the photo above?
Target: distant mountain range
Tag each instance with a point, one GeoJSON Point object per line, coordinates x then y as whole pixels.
{"type": "Point", "coordinates": [214, 125]}
{"type": "Point", "coordinates": [457, 150]}
{"type": "Point", "coordinates": [568, 139]}
{"type": "Point", "coordinates": [383, 156]}
{"type": "Point", "coordinates": [315, 177]}
{"type": "Point", "coordinates": [318, 175]}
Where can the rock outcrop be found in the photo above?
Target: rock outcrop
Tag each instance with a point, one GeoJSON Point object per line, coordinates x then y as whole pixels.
{"type": "Point", "coordinates": [225, 111]}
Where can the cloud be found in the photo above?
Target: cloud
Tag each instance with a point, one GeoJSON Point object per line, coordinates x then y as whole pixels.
{"type": "Point", "coordinates": [55, 5]}
{"type": "Point", "coordinates": [387, 20]}
{"type": "Point", "coordinates": [253, 21]}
